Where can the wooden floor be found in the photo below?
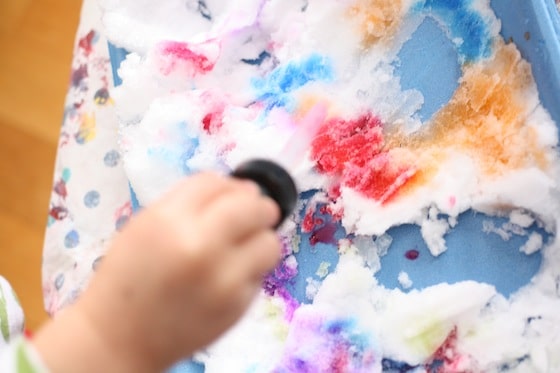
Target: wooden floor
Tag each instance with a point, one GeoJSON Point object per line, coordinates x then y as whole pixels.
{"type": "Point", "coordinates": [36, 41]}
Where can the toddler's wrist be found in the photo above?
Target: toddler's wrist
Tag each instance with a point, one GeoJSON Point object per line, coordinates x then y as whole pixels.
{"type": "Point", "coordinates": [74, 342]}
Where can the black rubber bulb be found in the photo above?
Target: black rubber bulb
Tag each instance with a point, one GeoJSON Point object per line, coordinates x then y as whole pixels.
{"type": "Point", "coordinates": [274, 181]}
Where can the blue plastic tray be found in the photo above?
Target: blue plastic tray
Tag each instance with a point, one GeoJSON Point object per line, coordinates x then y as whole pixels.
{"type": "Point", "coordinates": [534, 26]}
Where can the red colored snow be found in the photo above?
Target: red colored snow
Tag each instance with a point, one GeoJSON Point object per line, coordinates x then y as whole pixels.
{"type": "Point", "coordinates": [354, 151]}
{"type": "Point", "coordinates": [181, 54]}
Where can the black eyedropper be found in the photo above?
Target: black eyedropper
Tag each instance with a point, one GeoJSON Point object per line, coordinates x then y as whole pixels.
{"type": "Point", "coordinates": [274, 181]}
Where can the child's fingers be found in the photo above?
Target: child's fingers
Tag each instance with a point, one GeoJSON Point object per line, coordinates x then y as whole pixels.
{"type": "Point", "coordinates": [197, 191]}
{"type": "Point", "coordinates": [243, 269]}
{"type": "Point", "coordinates": [259, 254]}
{"type": "Point", "coordinates": [236, 215]}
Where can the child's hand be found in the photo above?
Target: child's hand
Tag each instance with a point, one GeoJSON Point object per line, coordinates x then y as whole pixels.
{"type": "Point", "coordinates": [182, 272]}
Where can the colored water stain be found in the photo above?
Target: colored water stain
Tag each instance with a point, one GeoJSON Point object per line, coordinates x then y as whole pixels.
{"type": "Point", "coordinates": [87, 130]}
{"type": "Point", "coordinates": [189, 148]}
{"type": "Point", "coordinates": [264, 55]}
{"type": "Point", "coordinates": [281, 276]}
{"type": "Point", "coordinates": [452, 201]}
{"type": "Point", "coordinates": [175, 54]}
{"type": "Point", "coordinates": [340, 359]}
{"type": "Point", "coordinates": [92, 199]}
{"type": "Point", "coordinates": [378, 19]}
{"type": "Point", "coordinates": [382, 179]}
{"type": "Point", "coordinates": [173, 156]}
{"type": "Point", "coordinates": [337, 326]}
{"type": "Point", "coordinates": [213, 121]}
{"type": "Point", "coordinates": [308, 222]}
{"type": "Point", "coordinates": [447, 358]}
{"type": "Point", "coordinates": [273, 90]}
{"type": "Point", "coordinates": [334, 192]}
{"type": "Point", "coordinates": [300, 365]}
{"type": "Point", "coordinates": [341, 142]}
{"type": "Point", "coordinates": [207, 122]}
{"type": "Point", "coordinates": [72, 239]}
{"type": "Point", "coordinates": [291, 304]}
{"type": "Point", "coordinates": [446, 350]}
{"type": "Point", "coordinates": [485, 119]}
{"type": "Point", "coordinates": [412, 254]}
{"type": "Point", "coordinates": [102, 97]}
{"type": "Point", "coordinates": [354, 151]}
{"type": "Point", "coordinates": [182, 149]}
{"type": "Point", "coordinates": [111, 158]}
{"type": "Point", "coordinates": [275, 311]}
{"type": "Point", "coordinates": [465, 24]}
{"type": "Point", "coordinates": [60, 188]}
{"type": "Point", "coordinates": [86, 43]}
{"type": "Point", "coordinates": [429, 338]}
{"type": "Point", "coordinates": [78, 75]}
{"type": "Point", "coordinates": [58, 212]}
{"type": "Point", "coordinates": [331, 346]}
{"type": "Point", "coordinates": [324, 234]}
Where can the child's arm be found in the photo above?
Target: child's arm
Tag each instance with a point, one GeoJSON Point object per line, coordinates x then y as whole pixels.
{"type": "Point", "coordinates": [182, 272]}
